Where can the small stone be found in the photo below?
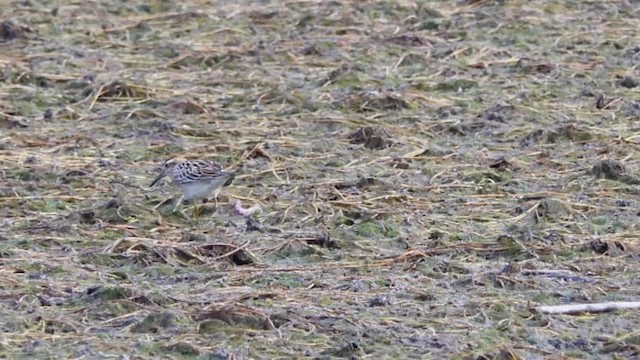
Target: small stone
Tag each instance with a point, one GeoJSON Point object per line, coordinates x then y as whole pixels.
{"type": "Point", "coordinates": [48, 114]}
{"type": "Point", "coordinates": [629, 82]}
{"type": "Point", "coordinates": [381, 300]}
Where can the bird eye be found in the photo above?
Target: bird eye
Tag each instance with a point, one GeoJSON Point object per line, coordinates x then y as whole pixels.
{"type": "Point", "coordinates": [169, 163]}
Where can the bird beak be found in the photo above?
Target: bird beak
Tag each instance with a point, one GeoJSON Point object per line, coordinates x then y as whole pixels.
{"type": "Point", "coordinates": [158, 178]}
{"type": "Point", "coordinates": [229, 181]}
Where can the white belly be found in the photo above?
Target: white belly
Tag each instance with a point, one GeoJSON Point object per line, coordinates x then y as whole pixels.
{"type": "Point", "coordinates": [198, 190]}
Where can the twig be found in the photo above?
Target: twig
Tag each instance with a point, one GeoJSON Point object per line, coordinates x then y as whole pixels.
{"type": "Point", "coordinates": [592, 308]}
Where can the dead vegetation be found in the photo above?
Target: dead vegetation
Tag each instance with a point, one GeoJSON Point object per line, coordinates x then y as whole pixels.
{"type": "Point", "coordinates": [416, 179]}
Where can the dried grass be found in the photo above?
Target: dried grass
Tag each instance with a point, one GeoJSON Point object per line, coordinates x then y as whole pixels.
{"type": "Point", "coordinates": [428, 174]}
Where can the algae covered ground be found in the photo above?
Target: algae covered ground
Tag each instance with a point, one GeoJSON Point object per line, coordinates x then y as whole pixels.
{"type": "Point", "coordinates": [427, 174]}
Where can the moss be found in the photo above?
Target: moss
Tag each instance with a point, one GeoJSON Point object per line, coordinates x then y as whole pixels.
{"type": "Point", "coordinates": [108, 234]}
{"type": "Point", "coordinates": [390, 231]}
{"type": "Point", "coordinates": [155, 322]}
{"type": "Point", "coordinates": [212, 326]}
{"type": "Point", "coordinates": [50, 205]}
{"type": "Point", "coordinates": [483, 176]}
{"type": "Point", "coordinates": [367, 229]}
{"type": "Point", "coordinates": [111, 293]}
{"type": "Point", "coordinates": [183, 349]}
{"type": "Point", "coordinates": [25, 174]}
{"type": "Point", "coordinates": [456, 85]}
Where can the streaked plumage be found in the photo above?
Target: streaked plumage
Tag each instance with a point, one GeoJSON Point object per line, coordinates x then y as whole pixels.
{"type": "Point", "coordinates": [197, 179]}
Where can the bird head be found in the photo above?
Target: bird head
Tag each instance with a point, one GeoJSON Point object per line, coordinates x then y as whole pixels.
{"type": "Point", "coordinates": [167, 168]}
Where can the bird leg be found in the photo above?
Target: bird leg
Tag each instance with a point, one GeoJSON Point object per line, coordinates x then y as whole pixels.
{"type": "Point", "coordinates": [196, 210]}
{"type": "Point", "coordinates": [215, 197]}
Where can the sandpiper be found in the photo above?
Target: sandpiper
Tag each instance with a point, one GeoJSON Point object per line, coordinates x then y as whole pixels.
{"type": "Point", "coordinates": [197, 179]}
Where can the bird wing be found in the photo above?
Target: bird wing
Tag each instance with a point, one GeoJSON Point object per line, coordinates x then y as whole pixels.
{"type": "Point", "coordinates": [198, 170]}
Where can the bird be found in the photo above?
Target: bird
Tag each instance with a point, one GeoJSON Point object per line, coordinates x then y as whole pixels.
{"type": "Point", "coordinates": [197, 179]}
